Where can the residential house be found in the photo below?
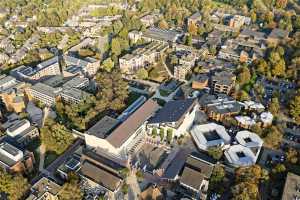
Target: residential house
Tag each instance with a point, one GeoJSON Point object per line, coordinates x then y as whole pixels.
{"type": "Point", "coordinates": [199, 81]}
{"type": "Point", "coordinates": [44, 189]}
{"type": "Point", "coordinates": [73, 95]}
{"type": "Point", "coordinates": [237, 21]}
{"type": "Point", "coordinates": [181, 71]}
{"type": "Point", "coordinates": [177, 116]}
{"type": "Point", "coordinates": [14, 160]}
{"type": "Point", "coordinates": [160, 35]}
{"type": "Point", "coordinates": [194, 18]}
{"type": "Point", "coordinates": [149, 20]}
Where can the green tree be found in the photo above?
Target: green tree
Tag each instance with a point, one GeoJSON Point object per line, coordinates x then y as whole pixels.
{"type": "Point", "coordinates": [154, 132]}
{"type": "Point", "coordinates": [56, 137]}
{"type": "Point", "coordinates": [292, 155]}
{"type": "Point", "coordinates": [115, 46]}
{"type": "Point", "coordinates": [161, 134]}
{"type": "Point", "coordinates": [188, 40]}
{"type": "Point", "coordinates": [142, 73]}
{"type": "Point", "coordinates": [14, 186]}
{"type": "Point", "coordinates": [71, 190]}
{"type": "Point", "coordinates": [218, 174]}
{"type": "Point", "coordinates": [215, 152]}
{"type": "Point", "coordinates": [273, 137]}
{"type": "Point", "coordinates": [294, 107]}
{"type": "Point", "coordinates": [274, 106]}
{"type": "Point", "coordinates": [244, 75]}
{"type": "Point", "coordinates": [169, 135]}
{"type": "Point", "coordinates": [278, 169]}
{"type": "Point", "coordinates": [108, 65]}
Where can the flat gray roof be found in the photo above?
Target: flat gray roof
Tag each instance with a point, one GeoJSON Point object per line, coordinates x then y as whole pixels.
{"type": "Point", "coordinates": [103, 127]}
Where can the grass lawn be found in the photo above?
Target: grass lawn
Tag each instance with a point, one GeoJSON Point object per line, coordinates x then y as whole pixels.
{"type": "Point", "coordinates": [49, 158]}
{"type": "Point", "coordinates": [132, 97]}
{"type": "Point", "coordinates": [164, 93]}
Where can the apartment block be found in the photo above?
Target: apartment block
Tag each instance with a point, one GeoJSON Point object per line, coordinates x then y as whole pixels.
{"type": "Point", "coordinates": [223, 82]}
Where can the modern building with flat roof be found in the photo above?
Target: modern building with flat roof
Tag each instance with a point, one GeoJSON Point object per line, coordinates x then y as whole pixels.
{"type": "Point", "coordinates": [44, 189]}
{"type": "Point", "coordinates": [177, 115]}
{"type": "Point", "coordinates": [44, 93]}
{"type": "Point", "coordinates": [239, 155]}
{"type": "Point", "coordinates": [210, 135]}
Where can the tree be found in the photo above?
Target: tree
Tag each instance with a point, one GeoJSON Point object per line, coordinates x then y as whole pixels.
{"type": "Point", "coordinates": [273, 137]}
{"type": "Point", "coordinates": [215, 152]}
{"type": "Point", "coordinates": [292, 155]}
{"type": "Point", "coordinates": [243, 95]}
{"type": "Point", "coordinates": [56, 137]}
{"type": "Point", "coordinates": [14, 186]}
{"type": "Point", "coordinates": [278, 169]}
{"type": "Point", "coordinates": [154, 132]}
{"type": "Point", "coordinates": [192, 28]}
{"type": "Point", "coordinates": [295, 107]}
{"type": "Point", "coordinates": [108, 65]}
{"type": "Point", "coordinates": [163, 24]}
{"type": "Point", "coordinates": [261, 66]}
{"type": "Point", "coordinates": [115, 46]}
{"type": "Point", "coordinates": [71, 190]}
{"type": "Point", "coordinates": [244, 76]}
{"type": "Point", "coordinates": [218, 174]}
{"type": "Point", "coordinates": [188, 40]}
{"type": "Point", "coordinates": [161, 134]}
{"type": "Point", "coordinates": [281, 3]}
{"type": "Point", "coordinates": [274, 106]}
{"type": "Point", "coordinates": [169, 135]}
{"type": "Point", "coordinates": [142, 73]}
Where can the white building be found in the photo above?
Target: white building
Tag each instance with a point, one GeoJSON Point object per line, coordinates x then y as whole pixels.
{"type": "Point", "coordinates": [210, 135]}
{"type": "Point", "coordinates": [247, 151]}
{"type": "Point", "coordinates": [266, 118]}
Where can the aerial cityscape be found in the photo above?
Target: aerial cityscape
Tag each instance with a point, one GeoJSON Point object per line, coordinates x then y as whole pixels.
{"type": "Point", "coordinates": [149, 100]}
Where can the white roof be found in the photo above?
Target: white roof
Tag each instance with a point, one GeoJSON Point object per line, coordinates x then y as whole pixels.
{"type": "Point", "coordinates": [266, 117]}
{"type": "Point", "coordinates": [239, 155]}
{"type": "Point", "coordinates": [219, 136]}
{"type": "Point", "coordinates": [253, 105]}
{"type": "Point", "coordinates": [248, 139]}
{"type": "Point", "coordinates": [245, 120]}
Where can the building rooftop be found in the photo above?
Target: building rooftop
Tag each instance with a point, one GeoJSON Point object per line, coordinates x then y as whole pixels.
{"type": "Point", "coordinates": [195, 16]}
{"type": "Point", "coordinates": [45, 89]}
{"type": "Point", "coordinates": [239, 155]}
{"type": "Point", "coordinates": [210, 135]}
{"type": "Point", "coordinates": [9, 155]}
{"type": "Point", "coordinates": [101, 176]}
{"type": "Point", "coordinates": [192, 178]}
{"type": "Point", "coordinates": [74, 93]}
{"type": "Point", "coordinates": [248, 139]}
{"type": "Point", "coordinates": [173, 111]}
{"type": "Point", "coordinates": [43, 186]}
{"type": "Point", "coordinates": [266, 117]}
{"type": "Point", "coordinates": [103, 127]}
{"type": "Point", "coordinates": [291, 189]}
{"type": "Point", "coordinates": [245, 120]}
{"type": "Point", "coordinates": [252, 33]}
{"type": "Point", "coordinates": [278, 33]}
{"type": "Point", "coordinates": [223, 78]}
{"type": "Point", "coordinates": [162, 35]}
{"type": "Point", "coordinates": [132, 123]}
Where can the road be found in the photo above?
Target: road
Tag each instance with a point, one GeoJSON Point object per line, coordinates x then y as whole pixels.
{"type": "Point", "coordinates": [51, 169]}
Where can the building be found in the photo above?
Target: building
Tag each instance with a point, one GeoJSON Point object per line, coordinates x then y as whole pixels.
{"type": "Point", "coordinates": [245, 121]}
{"type": "Point", "coordinates": [160, 35]}
{"type": "Point", "coordinates": [45, 69]}
{"type": "Point", "coordinates": [141, 57]}
{"type": "Point", "coordinates": [181, 71]}
{"type": "Point", "coordinates": [176, 115]}
{"type": "Point", "coordinates": [22, 133]}
{"type": "Point", "coordinates": [75, 66]}
{"type": "Point", "coordinates": [237, 21]}
{"type": "Point", "coordinates": [44, 189]}
{"type": "Point", "coordinates": [101, 172]}
{"type": "Point", "coordinates": [73, 95]}
{"type": "Point", "coordinates": [291, 188]}
{"type": "Point", "coordinates": [12, 93]}
{"type": "Point", "coordinates": [44, 93]}
{"type": "Point", "coordinates": [277, 35]}
{"type": "Point", "coordinates": [210, 135]}
{"type": "Point", "coordinates": [71, 165]}
{"type": "Point", "coordinates": [246, 152]}
{"type": "Point", "coordinates": [223, 82]}
{"type": "Point", "coordinates": [14, 160]}
{"type": "Point", "coordinates": [77, 82]}
{"type": "Point", "coordinates": [199, 81]}
{"type": "Point", "coordinates": [194, 18]}
{"type": "Point", "coordinates": [195, 176]}
{"type": "Point", "coordinates": [125, 137]}
{"type": "Point", "coordinates": [149, 20]}
{"type": "Point", "coordinates": [266, 119]}
{"type": "Point", "coordinates": [219, 107]}
{"type": "Point", "coordinates": [253, 106]}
